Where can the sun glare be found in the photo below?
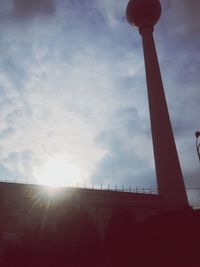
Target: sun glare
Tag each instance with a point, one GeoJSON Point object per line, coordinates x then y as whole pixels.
{"type": "Point", "coordinates": [58, 171]}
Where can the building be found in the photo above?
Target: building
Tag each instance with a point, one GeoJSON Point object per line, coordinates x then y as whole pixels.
{"type": "Point", "coordinates": [29, 206]}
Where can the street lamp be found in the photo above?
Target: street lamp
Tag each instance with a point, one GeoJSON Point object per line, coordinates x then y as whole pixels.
{"type": "Point", "coordinates": [197, 134]}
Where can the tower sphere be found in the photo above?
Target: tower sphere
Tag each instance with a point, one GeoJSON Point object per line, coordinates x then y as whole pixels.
{"type": "Point", "coordinates": [141, 12]}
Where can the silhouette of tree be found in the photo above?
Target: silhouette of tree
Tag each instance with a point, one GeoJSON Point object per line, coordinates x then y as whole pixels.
{"type": "Point", "coordinates": [74, 243]}
{"type": "Point", "coordinates": [170, 238]}
{"type": "Point", "coordinates": [31, 250]}
{"type": "Point", "coordinates": [120, 239]}
{"type": "Point", "coordinates": [77, 240]}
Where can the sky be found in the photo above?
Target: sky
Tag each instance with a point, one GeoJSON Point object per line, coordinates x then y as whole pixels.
{"type": "Point", "coordinates": [73, 98]}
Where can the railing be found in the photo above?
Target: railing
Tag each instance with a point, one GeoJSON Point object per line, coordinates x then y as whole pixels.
{"type": "Point", "coordinates": [151, 190]}
{"type": "Point", "coordinates": [130, 189]}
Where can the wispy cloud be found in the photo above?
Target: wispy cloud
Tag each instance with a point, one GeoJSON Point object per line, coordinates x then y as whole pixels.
{"type": "Point", "coordinates": [72, 83]}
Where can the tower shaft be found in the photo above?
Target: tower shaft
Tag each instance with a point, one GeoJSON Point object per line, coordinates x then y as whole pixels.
{"type": "Point", "coordinates": [168, 171]}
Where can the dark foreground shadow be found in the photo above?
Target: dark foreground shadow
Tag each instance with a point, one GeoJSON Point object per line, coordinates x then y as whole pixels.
{"type": "Point", "coordinates": [169, 239]}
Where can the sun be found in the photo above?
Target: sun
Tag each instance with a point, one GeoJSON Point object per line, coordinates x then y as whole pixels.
{"type": "Point", "coordinates": [59, 171]}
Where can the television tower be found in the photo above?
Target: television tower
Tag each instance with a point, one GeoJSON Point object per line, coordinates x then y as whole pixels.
{"type": "Point", "coordinates": [144, 14]}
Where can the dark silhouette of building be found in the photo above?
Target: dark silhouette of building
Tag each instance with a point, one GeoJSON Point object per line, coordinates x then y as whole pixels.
{"type": "Point", "coordinates": [33, 206]}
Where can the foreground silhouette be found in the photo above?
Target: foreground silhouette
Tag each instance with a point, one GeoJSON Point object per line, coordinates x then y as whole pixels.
{"type": "Point", "coordinates": [168, 239]}
{"type": "Point", "coordinates": [74, 243]}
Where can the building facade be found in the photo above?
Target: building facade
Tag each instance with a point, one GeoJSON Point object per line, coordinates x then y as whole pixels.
{"type": "Point", "coordinates": [34, 206]}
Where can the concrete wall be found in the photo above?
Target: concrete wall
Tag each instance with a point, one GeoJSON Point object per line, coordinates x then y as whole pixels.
{"type": "Point", "coordinates": [28, 206]}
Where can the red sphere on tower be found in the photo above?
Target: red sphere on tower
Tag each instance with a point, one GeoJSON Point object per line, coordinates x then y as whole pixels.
{"type": "Point", "coordinates": [141, 12]}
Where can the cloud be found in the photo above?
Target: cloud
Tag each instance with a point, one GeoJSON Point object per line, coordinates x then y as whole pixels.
{"type": "Point", "coordinates": [27, 9]}
{"type": "Point", "coordinates": [7, 132]}
{"type": "Point", "coordinates": [128, 151]}
{"type": "Point", "coordinates": [112, 11]}
{"type": "Point", "coordinates": [122, 166]}
{"type": "Point", "coordinates": [72, 83]}
{"type": "Point", "coordinates": [8, 175]}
